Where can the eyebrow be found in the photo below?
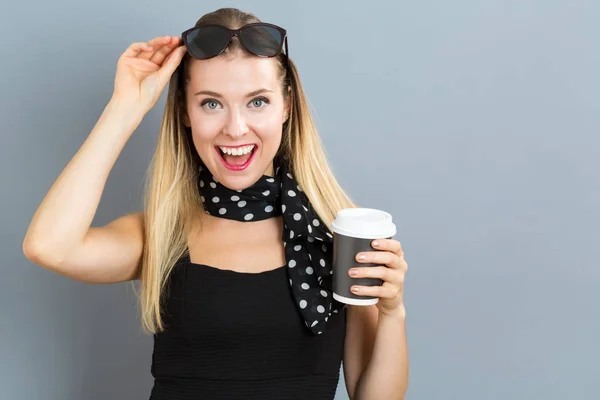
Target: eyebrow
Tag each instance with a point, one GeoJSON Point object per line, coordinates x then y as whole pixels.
{"type": "Point", "coordinates": [215, 94]}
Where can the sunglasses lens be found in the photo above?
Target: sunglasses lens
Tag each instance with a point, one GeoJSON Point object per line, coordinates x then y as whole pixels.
{"type": "Point", "coordinates": [262, 40]}
{"type": "Point", "coordinates": [207, 42]}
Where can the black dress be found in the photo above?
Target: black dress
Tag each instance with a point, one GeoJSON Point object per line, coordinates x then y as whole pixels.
{"type": "Point", "coordinates": [232, 335]}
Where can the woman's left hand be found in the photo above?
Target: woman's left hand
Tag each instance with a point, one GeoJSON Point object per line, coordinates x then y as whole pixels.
{"type": "Point", "coordinates": [392, 270]}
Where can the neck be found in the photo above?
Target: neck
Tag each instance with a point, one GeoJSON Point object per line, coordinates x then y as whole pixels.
{"type": "Point", "coordinates": [270, 170]}
{"type": "Point", "coordinates": [213, 223]}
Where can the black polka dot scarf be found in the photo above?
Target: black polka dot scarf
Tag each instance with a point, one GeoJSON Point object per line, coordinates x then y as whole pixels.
{"type": "Point", "coordinates": [308, 242]}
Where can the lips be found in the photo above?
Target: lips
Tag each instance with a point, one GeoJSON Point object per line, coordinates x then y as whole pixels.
{"type": "Point", "coordinates": [228, 160]}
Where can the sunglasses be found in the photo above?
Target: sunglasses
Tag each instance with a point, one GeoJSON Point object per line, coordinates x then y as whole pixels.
{"type": "Point", "coordinates": [210, 40]}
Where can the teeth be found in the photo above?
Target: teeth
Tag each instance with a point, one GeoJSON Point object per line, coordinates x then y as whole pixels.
{"type": "Point", "coordinates": [238, 151]}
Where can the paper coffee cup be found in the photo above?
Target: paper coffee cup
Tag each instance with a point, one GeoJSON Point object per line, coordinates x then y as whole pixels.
{"type": "Point", "coordinates": [353, 231]}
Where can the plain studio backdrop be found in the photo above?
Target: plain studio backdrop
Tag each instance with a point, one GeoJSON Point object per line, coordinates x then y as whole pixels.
{"type": "Point", "coordinates": [475, 123]}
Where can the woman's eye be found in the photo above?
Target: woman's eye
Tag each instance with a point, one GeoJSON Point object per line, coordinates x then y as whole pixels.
{"type": "Point", "coordinates": [259, 102]}
{"type": "Point", "coordinates": [210, 104]}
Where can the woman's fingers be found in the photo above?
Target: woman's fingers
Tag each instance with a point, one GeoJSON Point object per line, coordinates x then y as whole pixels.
{"type": "Point", "coordinates": [157, 43]}
{"type": "Point", "coordinates": [136, 48]}
{"type": "Point", "coordinates": [171, 63]}
{"type": "Point", "coordinates": [162, 53]}
{"type": "Point", "coordinates": [140, 65]}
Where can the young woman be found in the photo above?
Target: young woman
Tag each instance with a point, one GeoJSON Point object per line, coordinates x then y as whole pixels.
{"type": "Point", "coordinates": [233, 248]}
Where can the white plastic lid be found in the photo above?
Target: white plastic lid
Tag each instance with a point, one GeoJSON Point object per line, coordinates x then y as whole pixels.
{"type": "Point", "coordinates": [364, 223]}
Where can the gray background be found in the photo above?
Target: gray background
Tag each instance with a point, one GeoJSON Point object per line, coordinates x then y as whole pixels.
{"type": "Point", "coordinates": [473, 122]}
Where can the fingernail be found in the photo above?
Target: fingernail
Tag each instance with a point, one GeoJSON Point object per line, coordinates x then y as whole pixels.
{"type": "Point", "coordinates": [361, 257]}
{"type": "Point", "coordinates": [375, 243]}
{"type": "Point", "coordinates": [353, 272]}
{"type": "Point", "coordinates": [355, 289]}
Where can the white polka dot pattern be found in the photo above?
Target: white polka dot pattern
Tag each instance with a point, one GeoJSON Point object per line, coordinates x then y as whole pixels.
{"type": "Point", "coordinates": [305, 237]}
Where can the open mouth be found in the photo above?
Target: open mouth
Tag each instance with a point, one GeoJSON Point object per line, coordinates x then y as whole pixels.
{"type": "Point", "coordinates": [237, 159]}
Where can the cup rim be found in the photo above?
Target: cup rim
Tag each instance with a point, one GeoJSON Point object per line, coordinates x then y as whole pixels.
{"type": "Point", "coordinates": [344, 224]}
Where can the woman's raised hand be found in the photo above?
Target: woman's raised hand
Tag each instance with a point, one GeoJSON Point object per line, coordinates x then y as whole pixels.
{"type": "Point", "coordinates": [144, 69]}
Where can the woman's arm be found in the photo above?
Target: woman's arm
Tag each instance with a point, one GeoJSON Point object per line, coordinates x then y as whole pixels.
{"type": "Point", "coordinates": [375, 354]}
{"type": "Point", "coordinates": [59, 237]}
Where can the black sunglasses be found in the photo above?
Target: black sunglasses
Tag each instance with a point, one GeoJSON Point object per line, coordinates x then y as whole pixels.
{"type": "Point", "coordinates": [210, 40]}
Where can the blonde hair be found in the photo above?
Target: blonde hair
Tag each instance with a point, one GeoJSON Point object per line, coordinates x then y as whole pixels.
{"type": "Point", "coordinates": [172, 205]}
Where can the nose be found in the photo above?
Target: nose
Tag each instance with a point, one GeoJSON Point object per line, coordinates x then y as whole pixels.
{"type": "Point", "coordinates": [236, 124]}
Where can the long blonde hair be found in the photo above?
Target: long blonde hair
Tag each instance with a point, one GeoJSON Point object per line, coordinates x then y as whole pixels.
{"type": "Point", "coordinates": [172, 205]}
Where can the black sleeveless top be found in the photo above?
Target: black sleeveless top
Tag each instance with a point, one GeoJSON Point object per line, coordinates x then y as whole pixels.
{"type": "Point", "coordinates": [234, 335]}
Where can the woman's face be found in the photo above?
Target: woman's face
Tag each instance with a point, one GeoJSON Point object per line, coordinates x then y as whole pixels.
{"type": "Point", "coordinates": [236, 110]}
